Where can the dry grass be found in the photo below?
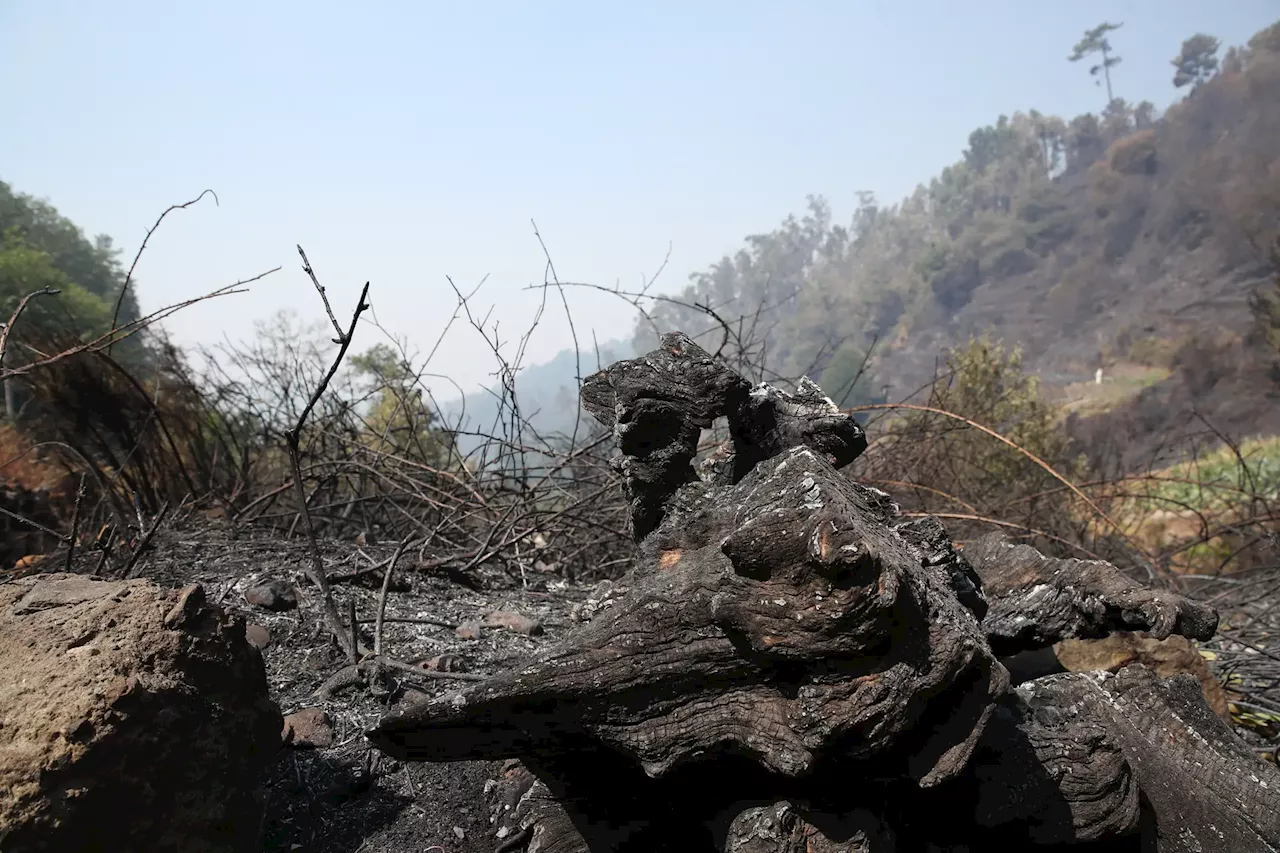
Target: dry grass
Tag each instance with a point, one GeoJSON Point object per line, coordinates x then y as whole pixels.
{"type": "Point", "coordinates": [1120, 383]}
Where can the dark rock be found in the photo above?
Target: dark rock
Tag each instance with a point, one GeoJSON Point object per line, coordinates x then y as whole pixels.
{"type": "Point", "coordinates": [444, 663]}
{"type": "Point", "coordinates": [276, 595]}
{"type": "Point", "coordinates": [1171, 656]}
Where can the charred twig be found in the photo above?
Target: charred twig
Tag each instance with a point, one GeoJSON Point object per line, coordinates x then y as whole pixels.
{"type": "Point", "coordinates": [382, 596]}
{"type": "Point", "coordinates": [17, 312]}
{"type": "Point", "coordinates": [516, 841]}
{"type": "Point", "coordinates": [75, 524]}
{"type": "Point", "coordinates": [124, 288]}
{"type": "Point", "coordinates": [106, 339]}
{"type": "Point", "coordinates": [106, 552]}
{"type": "Point", "coordinates": [355, 626]}
{"type": "Point", "coordinates": [293, 441]}
{"type": "Point", "coordinates": [412, 620]}
{"type": "Point", "coordinates": [356, 673]}
{"type": "Point", "coordinates": [145, 541]}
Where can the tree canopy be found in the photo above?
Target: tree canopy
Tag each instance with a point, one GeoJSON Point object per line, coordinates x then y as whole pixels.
{"type": "Point", "coordinates": [1096, 41]}
{"type": "Point", "coordinates": [79, 282]}
{"type": "Point", "coordinates": [41, 248]}
{"type": "Point", "coordinates": [1197, 61]}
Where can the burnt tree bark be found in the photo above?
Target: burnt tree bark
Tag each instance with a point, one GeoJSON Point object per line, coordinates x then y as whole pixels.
{"type": "Point", "coordinates": [1036, 601]}
{"type": "Point", "coordinates": [795, 668]}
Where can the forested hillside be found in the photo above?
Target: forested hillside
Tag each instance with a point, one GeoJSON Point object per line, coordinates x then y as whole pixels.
{"type": "Point", "coordinates": [39, 249]}
{"type": "Point", "coordinates": [1088, 241]}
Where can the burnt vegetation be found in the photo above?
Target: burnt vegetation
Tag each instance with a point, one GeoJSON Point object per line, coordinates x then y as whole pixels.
{"type": "Point", "coordinates": [947, 488]}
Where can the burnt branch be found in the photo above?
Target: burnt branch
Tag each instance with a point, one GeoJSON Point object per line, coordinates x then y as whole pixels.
{"type": "Point", "coordinates": [316, 570]}
{"type": "Point", "coordinates": [1036, 601]}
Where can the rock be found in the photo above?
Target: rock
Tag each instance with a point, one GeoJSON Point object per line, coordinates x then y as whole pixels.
{"type": "Point", "coordinates": [513, 621]}
{"type": "Point", "coordinates": [309, 728]}
{"type": "Point", "coordinates": [444, 663]}
{"type": "Point", "coordinates": [134, 718]}
{"type": "Point", "coordinates": [1166, 658]}
{"type": "Point", "coordinates": [468, 631]}
{"type": "Point", "coordinates": [258, 636]}
{"type": "Point", "coordinates": [274, 595]}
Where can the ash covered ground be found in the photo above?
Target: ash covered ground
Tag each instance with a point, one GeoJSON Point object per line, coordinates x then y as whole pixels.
{"type": "Point", "coordinates": [347, 796]}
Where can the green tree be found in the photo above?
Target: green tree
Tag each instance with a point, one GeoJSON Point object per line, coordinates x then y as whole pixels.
{"type": "Point", "coordinates": [989, 145]}
{"type": "Point", "coordinates": [93, 266]}
{"type": "Point", "coordinates": [69, 309]}
{"type": "Point", "coordinates": [1051, 133]}
{"type": "Point", "coordinates": [987, 384]}
{"type": "Point", "coordinates": [26, 269]}
{"type": "Point", "coordinates": [1096, 41]}
{"type": "Point", "coordinates": [1144, 115]}
{"type": "Point", "coordinates": [1197, 61]}
{"type": "Point", "coordinates": [399, 420]}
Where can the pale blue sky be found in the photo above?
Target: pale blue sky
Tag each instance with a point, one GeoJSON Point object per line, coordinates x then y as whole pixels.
{"type": "Point", "coordinates": [402, 142]}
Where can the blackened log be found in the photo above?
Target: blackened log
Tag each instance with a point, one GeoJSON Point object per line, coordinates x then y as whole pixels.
{"type": "Point", "coordinates": [771, 421]}
{"type": "Point", "coordinates": [796, 668]}
{"type": "Point", "coordinates": [1035, 601]}
{"type": "Point", "coordinates": [930, 540]}
{"type": "Point", "coordinates": [1048, 767]}
{"type": "Point", "coordinates": [1076, 757]}
{"type": "Point", "coordinates": [787, 827]}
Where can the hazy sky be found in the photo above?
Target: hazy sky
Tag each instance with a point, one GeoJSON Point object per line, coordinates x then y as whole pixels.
{"type": "Point", "coordinates": [405, 142]}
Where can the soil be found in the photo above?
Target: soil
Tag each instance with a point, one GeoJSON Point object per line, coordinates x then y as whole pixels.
{"type": "Point", "coordinates": [348, 797]}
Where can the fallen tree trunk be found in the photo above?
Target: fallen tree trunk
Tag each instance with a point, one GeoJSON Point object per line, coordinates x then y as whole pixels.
{"type": "Point", "coordinates": [795, 668]}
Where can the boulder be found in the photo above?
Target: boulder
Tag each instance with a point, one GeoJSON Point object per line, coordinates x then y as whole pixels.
{"type": "Point", "coordinates": [132, 718]}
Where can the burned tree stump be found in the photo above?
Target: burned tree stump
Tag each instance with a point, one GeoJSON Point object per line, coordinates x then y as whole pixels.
{"type": "Point", "coordinates": [797, 668]}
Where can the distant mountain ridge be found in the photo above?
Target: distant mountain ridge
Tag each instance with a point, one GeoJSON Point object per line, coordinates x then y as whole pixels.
{"type": "Point", "coordinates": [547, 394]}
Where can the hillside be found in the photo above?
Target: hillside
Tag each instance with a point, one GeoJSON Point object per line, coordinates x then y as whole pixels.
{"type": "Point", "coordinates": [1101, 240]}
